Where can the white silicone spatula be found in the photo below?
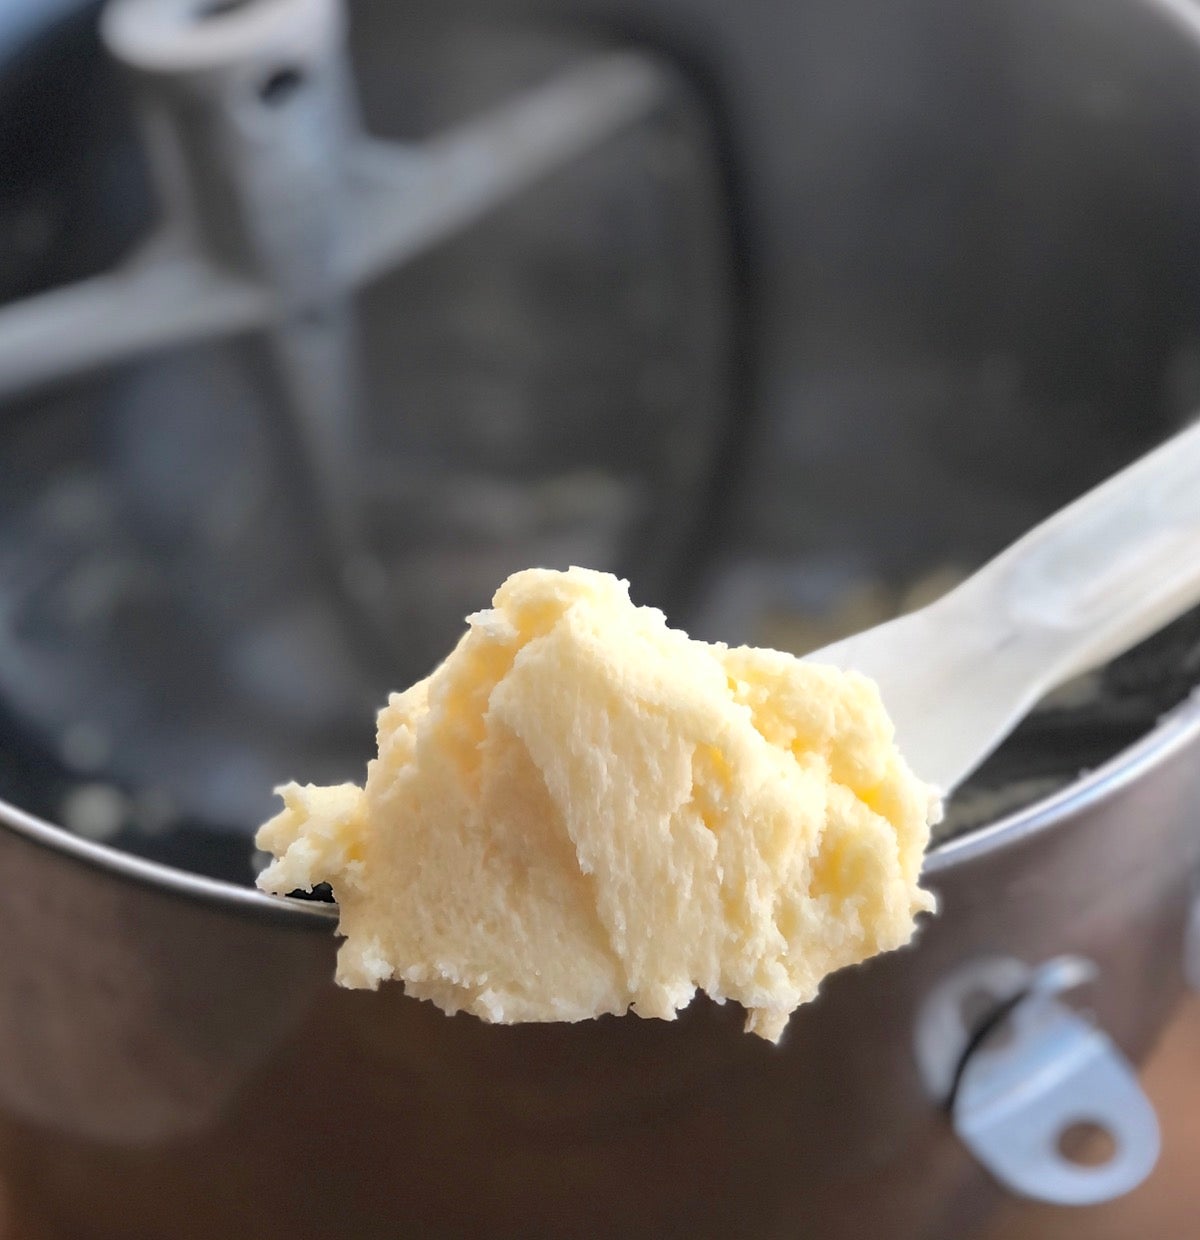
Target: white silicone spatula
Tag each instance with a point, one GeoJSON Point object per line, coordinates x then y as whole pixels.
{"type": "Point", "coordinates": [1079, 589]}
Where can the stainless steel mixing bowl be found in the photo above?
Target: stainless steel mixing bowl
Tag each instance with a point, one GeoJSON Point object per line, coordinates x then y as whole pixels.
{"type": "Point", "coordinates": [950, 257]}
{"type": "Point", "coordinates": [174, 1058]}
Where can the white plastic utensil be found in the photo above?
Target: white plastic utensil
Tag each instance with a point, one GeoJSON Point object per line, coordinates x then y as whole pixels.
{"type": "Point", "coordinates": [1079, 589]}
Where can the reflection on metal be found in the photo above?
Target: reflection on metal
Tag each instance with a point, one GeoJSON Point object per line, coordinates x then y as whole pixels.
{"type": "Point", "coordinates": [1019, 1071]}
{"type": "Point", "coordinates": [1191, 945]}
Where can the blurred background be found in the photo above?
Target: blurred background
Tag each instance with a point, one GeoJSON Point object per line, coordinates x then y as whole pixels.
{"type": "Point", "coordinates": [317, 320]}
{"type": "Point", "coordinates": [318, 324]}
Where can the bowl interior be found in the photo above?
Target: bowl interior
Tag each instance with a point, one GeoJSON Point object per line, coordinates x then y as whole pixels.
{"type": "Point", "coordinates": [794, 355]}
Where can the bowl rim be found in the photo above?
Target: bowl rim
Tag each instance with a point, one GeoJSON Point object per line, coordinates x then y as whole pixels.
{"type": "Point", "coordinates": [1176, 729]}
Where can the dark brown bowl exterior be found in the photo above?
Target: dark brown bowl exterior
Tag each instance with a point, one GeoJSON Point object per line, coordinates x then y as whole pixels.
{"type": "Point", "coordinates": [175, 1059]}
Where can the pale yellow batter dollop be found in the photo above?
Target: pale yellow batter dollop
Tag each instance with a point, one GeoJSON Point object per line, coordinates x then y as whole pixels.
{"type": "Point", "coordinates": [583, 811]}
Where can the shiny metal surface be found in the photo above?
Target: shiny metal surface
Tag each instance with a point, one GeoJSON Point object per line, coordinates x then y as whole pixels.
{"type": "Point", "coordinates": [159, 1038]}
{"type": "Point", "coordinates": [549, 388]}
{"type": "Point", "coordinates": [275, 208]}
{"type": "Point", "coordinates": [967, 242]}
{"type": "Point", "coordinates": [1020, 1070]}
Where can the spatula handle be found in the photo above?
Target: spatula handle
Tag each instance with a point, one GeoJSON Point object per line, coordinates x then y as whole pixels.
{"type": "Point", "coordinates": [1082, 587]}
{"type": "Point", "coordinates": [1114, 566]}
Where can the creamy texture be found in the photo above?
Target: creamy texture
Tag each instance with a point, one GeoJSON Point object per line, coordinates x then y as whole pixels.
{"type": "Point", "coordinates": [583, 811]}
